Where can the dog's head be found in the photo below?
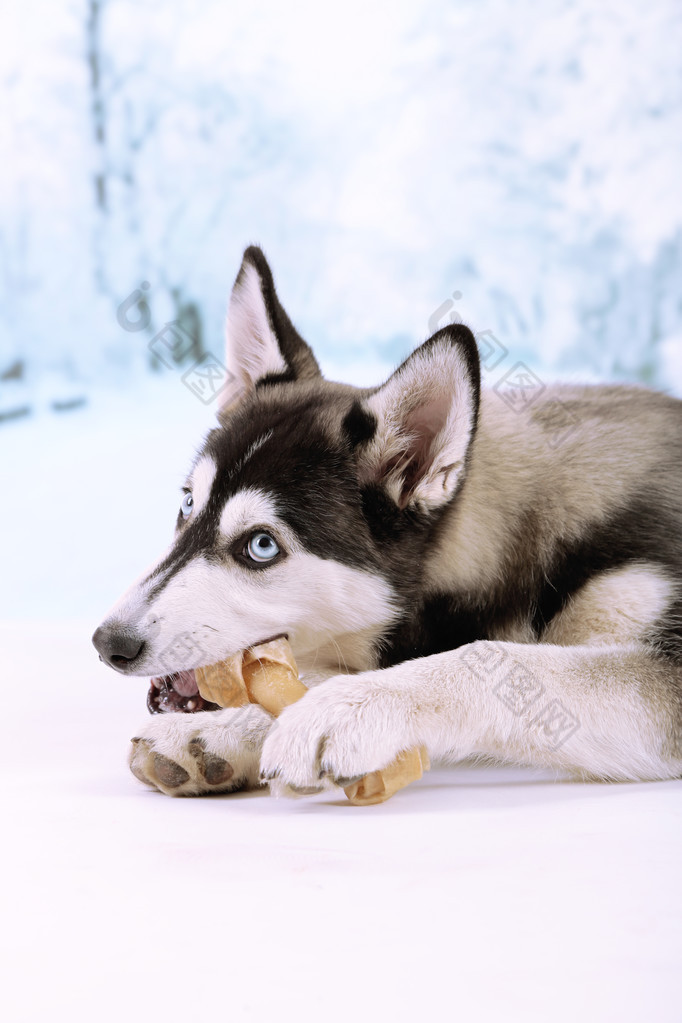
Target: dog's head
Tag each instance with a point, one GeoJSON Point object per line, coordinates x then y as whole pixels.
{"type": "Point", "coordinates": [309, 509]}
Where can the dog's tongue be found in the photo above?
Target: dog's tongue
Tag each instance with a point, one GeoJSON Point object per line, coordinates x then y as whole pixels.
{"type": "Point", "coordinates": [185, 683]}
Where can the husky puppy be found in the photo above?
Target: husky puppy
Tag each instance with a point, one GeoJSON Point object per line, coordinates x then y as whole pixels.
{"type": "Point", "coordinates": [451, 571]}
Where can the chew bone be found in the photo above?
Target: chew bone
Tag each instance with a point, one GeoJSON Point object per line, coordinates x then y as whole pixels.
{"type": "Point", "coordinates": [379, 786]}
{"type": "Point", "coordinates": [267, 675]}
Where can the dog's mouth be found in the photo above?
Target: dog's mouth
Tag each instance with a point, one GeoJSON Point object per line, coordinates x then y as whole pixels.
{"type": "Point", "coordinates": [177, 693]}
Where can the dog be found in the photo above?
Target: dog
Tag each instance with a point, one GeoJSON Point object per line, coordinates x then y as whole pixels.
{"type": "Point", "coordinates": [449, 573]}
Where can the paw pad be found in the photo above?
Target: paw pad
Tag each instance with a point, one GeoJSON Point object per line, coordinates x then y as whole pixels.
{"type": "Point", "coordinates": [167, 772]}
{"type": "Point", "coordinates": [212, 768]}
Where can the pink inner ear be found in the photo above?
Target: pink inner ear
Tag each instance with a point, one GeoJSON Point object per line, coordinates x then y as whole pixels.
{"type": "Point", "coordinates": [422, 425]}
{"type": "Point", "coordinates": [429, 419]}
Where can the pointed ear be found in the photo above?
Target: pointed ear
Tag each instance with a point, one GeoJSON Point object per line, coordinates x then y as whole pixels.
{"type": "Point", "coordinates": [262, 342]}
{"type": "Point", "coordinates": [426, 416]}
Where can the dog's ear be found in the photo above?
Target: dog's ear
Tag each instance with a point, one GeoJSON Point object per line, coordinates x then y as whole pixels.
{"type": "Point", "coordinates": [421, 421]}
{"type": "Point", "coordinates": [262, 343]}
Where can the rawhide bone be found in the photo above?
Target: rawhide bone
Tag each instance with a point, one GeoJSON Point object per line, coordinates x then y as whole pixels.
{"type": "Point", "coordinates": [267, 675]}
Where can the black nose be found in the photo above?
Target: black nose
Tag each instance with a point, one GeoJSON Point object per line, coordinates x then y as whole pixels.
{"type": "Point", "coordinates": [117, 645]}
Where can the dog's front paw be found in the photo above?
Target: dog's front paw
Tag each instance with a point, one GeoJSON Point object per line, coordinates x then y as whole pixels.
{"type": "Point", "coordinates": [196, 754]}
{"type": "Point", "coordinates": [350, 726]}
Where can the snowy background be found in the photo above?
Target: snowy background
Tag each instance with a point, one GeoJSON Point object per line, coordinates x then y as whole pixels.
{"type": "Point", "coordinates": [386, 155]}
{"type": "Point", "coordinates": [517, 165]}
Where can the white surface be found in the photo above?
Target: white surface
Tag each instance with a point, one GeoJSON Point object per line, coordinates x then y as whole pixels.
{"type": "Point", "coordinates": [478, 893]}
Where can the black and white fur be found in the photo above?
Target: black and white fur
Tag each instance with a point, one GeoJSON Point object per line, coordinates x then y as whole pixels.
{"type": "Point", "coordinates": [433, 547]}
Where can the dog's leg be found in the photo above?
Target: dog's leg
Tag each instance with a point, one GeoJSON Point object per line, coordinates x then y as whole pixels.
{"type": "Point", "coordinates": [196, 754]}
{"type": "Point", "coordinates": [611, 712]}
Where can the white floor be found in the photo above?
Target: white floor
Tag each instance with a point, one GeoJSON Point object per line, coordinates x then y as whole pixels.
{"type": "Point", "coordinates": [478, 893]}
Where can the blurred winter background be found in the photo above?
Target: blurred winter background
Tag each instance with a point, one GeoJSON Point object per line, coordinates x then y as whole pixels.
{"type": "Point", "coordinates": [516, 165]}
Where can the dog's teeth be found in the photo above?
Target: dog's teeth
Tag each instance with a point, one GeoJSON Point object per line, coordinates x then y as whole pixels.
{"type": "Point", "coordinates": [191, 704]}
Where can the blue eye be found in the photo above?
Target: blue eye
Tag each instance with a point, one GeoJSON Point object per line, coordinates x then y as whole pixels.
{"type": "Point", "coordinates": [262, 548]}
{"type": "Point", "coordinates": [187, 505]}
